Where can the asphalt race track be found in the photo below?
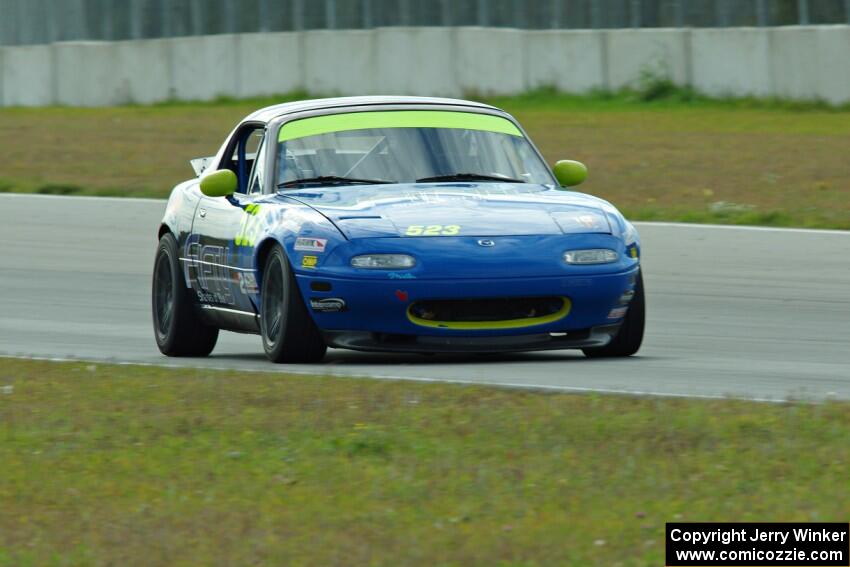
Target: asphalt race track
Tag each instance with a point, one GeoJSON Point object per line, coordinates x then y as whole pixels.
{"type": "Point", "coordinates": [743, 312]}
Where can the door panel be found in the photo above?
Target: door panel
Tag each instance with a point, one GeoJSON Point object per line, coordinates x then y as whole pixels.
{"type": "Point", "coordinates": [224, 230]}
{"type": "Point", "coordinates": [220, 249]}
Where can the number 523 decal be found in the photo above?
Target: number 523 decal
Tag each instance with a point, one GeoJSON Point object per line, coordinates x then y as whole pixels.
{"type": "Point", "coordinates": [432, 230]}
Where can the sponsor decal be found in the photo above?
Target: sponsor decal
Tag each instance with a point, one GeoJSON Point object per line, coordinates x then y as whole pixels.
{"type": "Point", "coordinates": [486, 243]}
{"type": "Point", "coordinates": [401, 276]}
{"type": "Point", "coordinates": [207, 271]}
{"type": "Point", "coordinates": [306, 244]}
{"type": "Point", "coordinates": [401, 295]}
{"type": "Point", "coordinates": [327, 305]}
{"type": "Point", "coordinates": [309, 261]}
{"type": "Point", "coordinates": [248, 283]}
{"type": "Point", "coordinates": [432, 230]}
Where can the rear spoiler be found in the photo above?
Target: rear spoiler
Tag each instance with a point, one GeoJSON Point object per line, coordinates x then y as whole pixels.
{"type": "Point", "coordinates": [201, 164]}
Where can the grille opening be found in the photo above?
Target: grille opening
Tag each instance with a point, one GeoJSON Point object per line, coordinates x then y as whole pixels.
{"type": "Point", "coordinates": [486, 310]}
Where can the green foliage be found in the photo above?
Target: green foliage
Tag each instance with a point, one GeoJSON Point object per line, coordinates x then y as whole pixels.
{"type": "Point", "coordinates": [655, 86]}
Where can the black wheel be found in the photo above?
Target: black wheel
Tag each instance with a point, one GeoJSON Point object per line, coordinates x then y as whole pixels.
{"type": "Point", "coordinates": [629, 337]}
{"type": "Point", "coordinates": [177, 328]}
{"type": "Point", "coordinates": [289, 333]}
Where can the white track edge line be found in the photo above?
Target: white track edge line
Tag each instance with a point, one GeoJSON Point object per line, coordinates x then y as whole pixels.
{"type": "Point", "coordinates": [460, 381]}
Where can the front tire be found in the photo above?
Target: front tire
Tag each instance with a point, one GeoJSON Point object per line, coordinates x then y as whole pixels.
{"type": "Point", "coordinates": [630, 336]}
{"type": "Point", "coordinates": [289, 333]}
{"type": "Point", "coordinates": [177, 328]}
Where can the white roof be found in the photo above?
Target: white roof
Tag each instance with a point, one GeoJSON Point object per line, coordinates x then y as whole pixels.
{"type": "Point", "coordinates": [271, 112]}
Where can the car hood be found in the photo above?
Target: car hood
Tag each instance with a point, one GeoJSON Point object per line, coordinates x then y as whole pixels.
{"type": "Point", "coordinates": [463, 209]}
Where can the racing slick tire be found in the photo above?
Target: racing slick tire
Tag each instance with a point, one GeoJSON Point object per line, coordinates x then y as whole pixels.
{"type": "Point", "coordinates": [629, 337]}
{"type": "Point", "coordinates": [289, 333]}
{"type": "Point", "coordinates": [177, 328]}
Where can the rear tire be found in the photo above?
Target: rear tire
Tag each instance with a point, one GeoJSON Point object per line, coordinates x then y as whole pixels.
{"type": "Point", "coordinates": [630, 336]}
{"type": "Point", "coordinates": [289, 333]}
{"type": "Point", "coordinates": [177, 328]}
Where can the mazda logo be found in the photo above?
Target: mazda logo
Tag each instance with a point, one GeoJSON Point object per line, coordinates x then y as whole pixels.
{"type": "Point", "coordinates": [487, 243]}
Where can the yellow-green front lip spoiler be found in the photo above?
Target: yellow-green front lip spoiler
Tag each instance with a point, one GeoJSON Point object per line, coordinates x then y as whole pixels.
{"type": "Point", "coordinates": [492, 325]}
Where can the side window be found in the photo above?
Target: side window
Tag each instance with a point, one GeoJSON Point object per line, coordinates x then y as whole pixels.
{"type": "Point", "coordinates": [258, 175]}
{"type": "Point", "coordinates": [244, 154]}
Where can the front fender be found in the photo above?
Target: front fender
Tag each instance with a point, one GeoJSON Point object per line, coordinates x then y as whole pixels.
{"type": "Point", "coordinates": [305, 235]}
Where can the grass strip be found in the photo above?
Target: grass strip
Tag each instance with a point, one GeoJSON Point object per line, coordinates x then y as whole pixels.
{"type": "Point", "coordinates": [149, 466]}
{"type": "Point", "coordinates": [659, 153]}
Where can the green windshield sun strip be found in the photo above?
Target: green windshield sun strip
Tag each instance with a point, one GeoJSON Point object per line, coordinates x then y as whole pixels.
{"type": "Point", "coordinates": [395, 119]}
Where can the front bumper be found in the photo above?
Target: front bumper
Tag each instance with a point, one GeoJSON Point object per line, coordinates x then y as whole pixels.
{"type": "Point", "coordinates": [377, 308]}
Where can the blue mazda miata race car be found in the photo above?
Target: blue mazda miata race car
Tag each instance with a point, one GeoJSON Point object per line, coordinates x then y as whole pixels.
{"type": "Point", "coordinates": [398, 224]}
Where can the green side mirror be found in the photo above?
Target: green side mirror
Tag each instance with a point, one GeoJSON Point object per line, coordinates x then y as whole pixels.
{"type": "Point", "coordinates": [570, 173]}
{"type": "Point", "coordinates": [219, 183]}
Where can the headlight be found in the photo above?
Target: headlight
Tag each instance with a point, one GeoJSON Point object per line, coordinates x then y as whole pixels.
{"type": "Point", "coordinates": [592, 256]}
{"type": "Point", "coordinates": [384, 261]}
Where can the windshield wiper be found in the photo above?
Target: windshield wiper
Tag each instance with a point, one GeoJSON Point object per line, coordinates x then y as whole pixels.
{"type": "Point", "coordinates": [332, 180]}
{"type": "Point", "coordinates": [469, 177]}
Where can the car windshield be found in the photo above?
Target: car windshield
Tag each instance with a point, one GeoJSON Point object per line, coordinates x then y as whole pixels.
{"type": "Point", "coordinates": [406, 147]}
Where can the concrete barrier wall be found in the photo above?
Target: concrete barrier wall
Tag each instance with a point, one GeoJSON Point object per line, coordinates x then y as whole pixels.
{"type": "Point", "coordinates": [732, 64]}
{"type": "Point", "coordinates": [416, 60]}
{"type": "Point", "coordinates": [570, 62]}
{"type": "Point", "coordinates": [339, 61]}
{"type": "Point", "coordinates": [268, 64]}
{"type": "Point", "coordinates": [804, 63]}
{"type": "Point", "coordinates": [27, 76]}
{"type": "Point", "coordinates": [662, 52]}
